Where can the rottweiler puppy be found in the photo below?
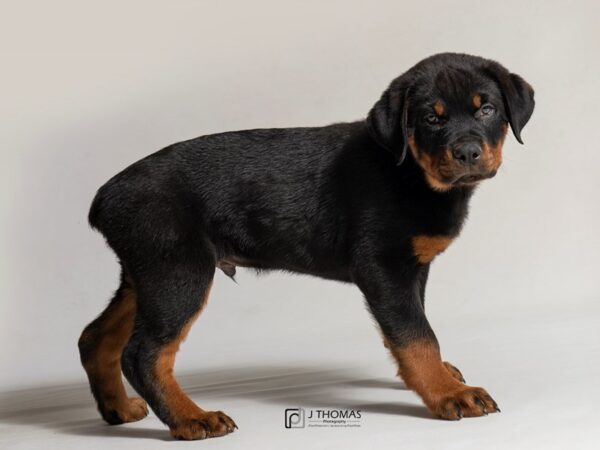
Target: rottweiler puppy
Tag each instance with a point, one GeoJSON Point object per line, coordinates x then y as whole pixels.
{"type": "Point", "coordinates": [371, 202]}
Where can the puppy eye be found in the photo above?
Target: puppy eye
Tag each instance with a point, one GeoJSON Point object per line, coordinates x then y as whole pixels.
{"type": "Point", "coordinates": [487, 109]}
{"type": "Point", "coordinates": [432, 119]}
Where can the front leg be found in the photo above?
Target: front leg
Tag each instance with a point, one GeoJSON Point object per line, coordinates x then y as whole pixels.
{"type": "Point", "coordinates": [394, 297]}
{"type": "Point", "coordinates": [422, 276]}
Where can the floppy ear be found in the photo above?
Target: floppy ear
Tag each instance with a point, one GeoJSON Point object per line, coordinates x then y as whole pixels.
{"type": "Point", "coordinates": [518, 98]}
{"type": "Point", "coordinates": [388, 120]}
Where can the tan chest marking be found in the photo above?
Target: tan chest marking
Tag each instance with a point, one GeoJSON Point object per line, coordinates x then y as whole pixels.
{"type": "Point", "coordinates": [426, 248]}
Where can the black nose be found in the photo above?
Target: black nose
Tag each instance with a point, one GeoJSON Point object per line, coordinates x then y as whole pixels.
{"type": "Point", "coordinates": [467, 153]}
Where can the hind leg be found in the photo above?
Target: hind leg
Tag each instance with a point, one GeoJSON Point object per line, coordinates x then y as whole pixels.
{"type": "Point", "coordinates": [101, 345]}
{"type": "Point", "coordinates": [171, 294]}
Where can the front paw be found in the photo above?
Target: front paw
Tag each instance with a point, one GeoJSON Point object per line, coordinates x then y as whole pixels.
{"type": "Point", "coordinates": [465, 401]}
{"type": "Point", "coordinates": [124, 411]}
{"type": "Point", "coordinates": [206, 425]}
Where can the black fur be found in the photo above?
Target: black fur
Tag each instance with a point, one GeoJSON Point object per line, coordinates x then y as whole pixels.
{"type": "Point", "coordinates": [328, 201]}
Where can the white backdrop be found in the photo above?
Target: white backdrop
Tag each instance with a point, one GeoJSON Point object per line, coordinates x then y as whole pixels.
{"type": "Point", "coordinates": [87, 89]}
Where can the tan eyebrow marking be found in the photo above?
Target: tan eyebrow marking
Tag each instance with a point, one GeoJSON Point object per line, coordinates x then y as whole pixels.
{"type": "Point", "coordinates": [476, 101]}
{"type": "Point", "coordinates": [438, 108]}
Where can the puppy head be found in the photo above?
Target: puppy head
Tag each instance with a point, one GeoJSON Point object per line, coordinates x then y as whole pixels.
{"type": "Point", "coordinates": [451, 113]}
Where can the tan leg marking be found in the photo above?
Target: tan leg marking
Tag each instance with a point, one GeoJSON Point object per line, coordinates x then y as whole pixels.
{"type": "Point", "coordinates": [105, 340]}
{"type": "Point", "coordinates": [423, 371]}
{"type": "Point", "coordinates": [189, 420]}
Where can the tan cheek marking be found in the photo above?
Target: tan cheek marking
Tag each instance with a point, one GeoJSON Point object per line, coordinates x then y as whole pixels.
{"type": "Point", "coordinates": [426, 248]}
{"type": "Point", "coordinates": [477, 101]}
{"type": "Point", "coordinates": [492, 156]}
{"type": "Point", "coordinates": [439, 109]}
{"type": "Point", "coordinates": [437, 185]}
{"type": "Point", "coordinates": [426, 163]}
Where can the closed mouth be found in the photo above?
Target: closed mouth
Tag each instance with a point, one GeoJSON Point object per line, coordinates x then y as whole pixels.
{"type": "Point", "coordinates": [470, 178]}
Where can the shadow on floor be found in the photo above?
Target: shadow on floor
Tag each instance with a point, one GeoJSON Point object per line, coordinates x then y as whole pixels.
{"type": "Point", "coordinates": [69, 409]}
